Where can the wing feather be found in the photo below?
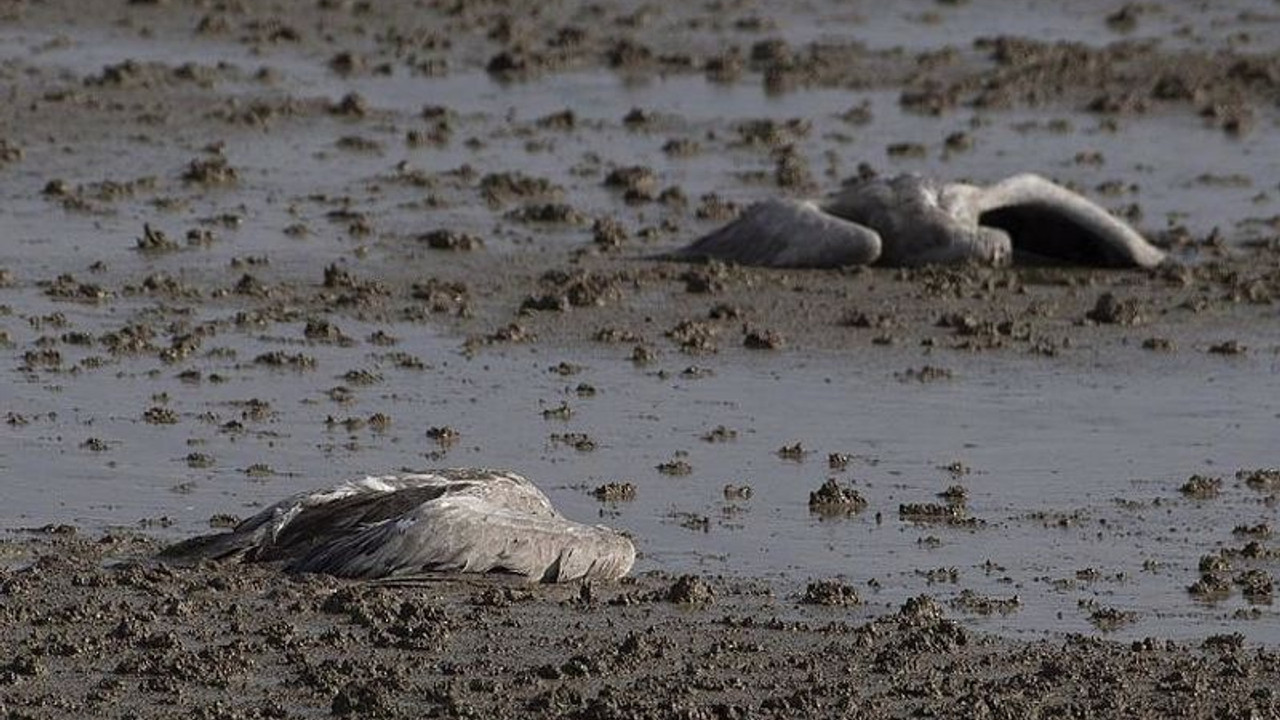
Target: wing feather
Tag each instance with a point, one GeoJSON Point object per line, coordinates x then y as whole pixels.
{"type": "Point", "coordinates": [787, 233]}
{"type": "Point", "coordinates": [466, 533]}
{"type": "Point", "coordinates": [456, 520]}
{"type": "Point", "coordinates": [1047, 220]}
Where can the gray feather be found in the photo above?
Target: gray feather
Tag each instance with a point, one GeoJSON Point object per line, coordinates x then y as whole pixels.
{"type": "Point", "coordinates": [909, 220]}
{"type": "Point", "coordinates": [787, 233]}
{"type": "Point", "coordinates": [921, 222]}
{"type": "Point", "coordinates": [1047, 220]}
{"type": "Point", "coordinates": [459, 520]}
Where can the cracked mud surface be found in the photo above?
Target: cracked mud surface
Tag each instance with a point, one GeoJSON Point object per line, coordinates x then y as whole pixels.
{"type": "Point", "coordinates": [251, 249]}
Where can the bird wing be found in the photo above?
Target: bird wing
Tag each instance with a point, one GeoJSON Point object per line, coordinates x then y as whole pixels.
{"type": "Point", "coordinates": [1047, 220]}
{"type": "Point", "coordinates": [468, 533]}
{"type": "Point", "coordinates": [300, 522]}
{"type": "Point", "coordinates": [455, 520]}
{"type": "Point", "coordinates": [277, 530]}
{"type": "Point", "coordinates": [787, 233]}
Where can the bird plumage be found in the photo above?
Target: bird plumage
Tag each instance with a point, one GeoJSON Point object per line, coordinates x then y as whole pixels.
{"type": "Point", "coordinates": [456, 520]}
{"type": "Point", "coordinates": [909, 220]}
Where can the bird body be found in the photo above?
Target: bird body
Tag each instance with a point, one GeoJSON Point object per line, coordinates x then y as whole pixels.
{"type": "Point", "coordinates": [452, 521]}
{"type": "Point", "coordinates": [909, 221]}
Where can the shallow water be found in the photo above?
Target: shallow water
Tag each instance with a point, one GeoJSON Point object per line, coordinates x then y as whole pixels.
{"type": "Point", "coordinates": [1105, 447]}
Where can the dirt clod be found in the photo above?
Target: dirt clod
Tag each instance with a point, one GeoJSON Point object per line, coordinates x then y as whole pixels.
{"type": "Point", "coordinates": [833, 498]}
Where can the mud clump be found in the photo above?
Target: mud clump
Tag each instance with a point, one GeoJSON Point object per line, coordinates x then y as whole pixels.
{"type": "Point", "coordinates": [1256, 584]}
{"type": "Point", "coordinates": [830, 593]}
{"type": "Point", "coordinates": [934, 513]}
{"type": "Point", "coordinates": [563, 120]}
{"type": "Point", "coordinates": [391, 618]}
{"type": "Point", "coordinates": [608, 233]}
{"type": "Point", "coordinates": [510, 65]}
{"type": "Point", "coordinates": [550, 213]}
{"type": "Point", "coordinates": [682, 147]}
{"type": "Point", "coordinates": [773, 133]}
{"type": "Point", "coordinates": [284, 360]}
{"type": "Point", "coordinates": [675, 468]}
{"type": "Point", "coordinates": [795, 452]}
{"type": "Point", "coordinates": [690, 590]}
{"type": "Point", "coordinates": [503, 188]}
{"type": "Point", "coordinates": [955, 495]}
{"type": "Point", "coordinates": [791, 170]}
{"type": "Point", "coordinates": [443, 435]}
{"type": "Point", "coordinates": [67, 287]}
{"type": "Point", "coordinates": [581, 442]}
{"type": "Point", "coordinates": [638, 183]}
{"type": "Point", "coordinates": [1199, 487]}
{"type": "Point", "coordinates": [694, 337]}
{"type": "Point", "coordinates": [835, 499]}
{"type": "Point", "coordinates": [155, 241]}
{"type": "Point", "coordinates": [21, 666]}
{"type": "Point", "coordinates": [1228, 347]}
{"type": "Point", "coordinates": [906, 150]}
{"type": "Point", "coordinates": [443, 297]}
{"type": "Point", "coordinates": [582, 289]}
{"type": "Point", "coordinates": [352, 105]}
{"type": "Point", "coordinates": [1111, 619]}
{"type": "Point", "coordinates": [1110, 310]}
{"type": "Point", "coordinates": [361, 699]}
{"type": "Point", "coordinates": [9, 153]}
{"type": "Point", "coordinates": [703, 282]}
{"type": "Point", "coordinates": [924, 374]}
{"type": "Point", "coordinates": [970, 601]}
{"type": "Point", "coordinates": [211, 171]}
{"type": "Point", "coordinates": [158, 415]}
{"type": "Point", "coordinates": [719, 434]}
{"type": "Point", "coordinates": [451, 240]}
{"type": "Point", "coordinates": [1265, 479]}
{"type": "Point", "coordinates": [763, 340]}
{"type": "Point", "coordinates": [615, 492]}
{"type": "Point", "coordinates": [1260, 530]}
{"type": "Point", "coordinates": [323, 331]}
{"type": "Point", "coordinates": [1211, 586]}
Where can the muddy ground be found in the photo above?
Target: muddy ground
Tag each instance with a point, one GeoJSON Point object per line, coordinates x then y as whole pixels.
{"type": "Point", "coordinates": [132, 640]}
{"type": "Point", "coordinates": [252, 248]}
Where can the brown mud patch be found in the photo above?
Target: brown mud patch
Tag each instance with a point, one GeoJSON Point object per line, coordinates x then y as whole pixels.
{"type": "Point", "coordinates": [93, 628]}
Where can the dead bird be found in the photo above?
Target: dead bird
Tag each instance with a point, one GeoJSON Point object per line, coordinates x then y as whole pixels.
{"type": "Point", "coordinates": [909, 220]}
{"type": "Point", "coordinates": [460, 520]}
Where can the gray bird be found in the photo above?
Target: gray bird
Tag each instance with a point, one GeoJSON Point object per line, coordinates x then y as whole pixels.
{"type": "Point", "coordinates": [909, 221]}
{"type": "Point", "coordinates": [442, 521]}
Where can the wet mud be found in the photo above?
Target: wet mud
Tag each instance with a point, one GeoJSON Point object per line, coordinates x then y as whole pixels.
{"type": "Point", "coordinates": [92, 632]}
{"type": "Point", "coordinates": [252, 249]}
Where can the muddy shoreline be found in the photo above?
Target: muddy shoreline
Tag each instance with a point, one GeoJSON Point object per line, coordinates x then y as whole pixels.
{"type": "Point", "coordinates": [93, 631]}
{"type": "Point", "coordinates": [255, 249]}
